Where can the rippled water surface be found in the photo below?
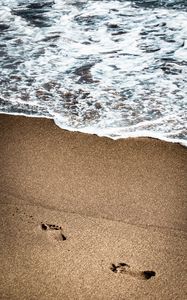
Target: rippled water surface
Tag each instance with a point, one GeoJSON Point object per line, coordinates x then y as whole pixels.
{"type": "Point", "coordinates": [114, 68]}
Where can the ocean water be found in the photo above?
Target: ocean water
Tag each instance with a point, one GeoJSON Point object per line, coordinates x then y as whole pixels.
{"type": "Point", "coordinates": [112, 68]}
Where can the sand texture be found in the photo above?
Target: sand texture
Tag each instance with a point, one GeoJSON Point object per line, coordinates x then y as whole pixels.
{"type": "Point", "coordinates": [89, 218]}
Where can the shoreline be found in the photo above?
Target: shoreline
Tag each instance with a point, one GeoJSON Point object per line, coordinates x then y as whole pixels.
{"type": "Point", "coordinates": [84, 217]}
{"type": "Point", "coordinates": [137, 134]}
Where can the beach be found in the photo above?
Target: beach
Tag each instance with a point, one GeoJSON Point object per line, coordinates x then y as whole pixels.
{"type": "Point", "coordinates": [85, 217]}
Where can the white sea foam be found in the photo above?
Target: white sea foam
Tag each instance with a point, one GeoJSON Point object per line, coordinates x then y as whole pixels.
{"type": "Point", "coordinates": [115, 69]}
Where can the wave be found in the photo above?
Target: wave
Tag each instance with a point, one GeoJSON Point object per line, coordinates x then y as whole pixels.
{"type": "Point", "coordinates": [115, 69]}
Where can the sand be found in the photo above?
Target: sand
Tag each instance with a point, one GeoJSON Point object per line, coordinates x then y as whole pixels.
{"type": "Point", "coordinates": [84, 217]}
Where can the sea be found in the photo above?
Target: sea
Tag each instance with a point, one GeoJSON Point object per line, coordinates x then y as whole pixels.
{"type": "Point", "coordinates": [112, 68]}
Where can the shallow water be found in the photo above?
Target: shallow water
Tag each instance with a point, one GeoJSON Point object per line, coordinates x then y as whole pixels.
{"type": "Point", "coordinates": [114, 68]}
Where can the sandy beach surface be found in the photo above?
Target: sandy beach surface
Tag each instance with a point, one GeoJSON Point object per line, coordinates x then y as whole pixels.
{"type": "Point", "coordinates": [90, 218]}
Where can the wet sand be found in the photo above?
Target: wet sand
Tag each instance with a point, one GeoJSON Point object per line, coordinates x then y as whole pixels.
{"type": "Point", "coordinates": [84, 217]}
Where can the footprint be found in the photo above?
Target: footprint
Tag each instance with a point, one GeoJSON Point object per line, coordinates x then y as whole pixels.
{"type": "Point", "coordinates": [51, 227]}
{"type": "Point", "coordinates": [126, 269]}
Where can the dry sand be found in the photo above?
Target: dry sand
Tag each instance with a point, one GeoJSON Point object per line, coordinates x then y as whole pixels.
{"type": "Point", "coordinates": [118, 210]}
